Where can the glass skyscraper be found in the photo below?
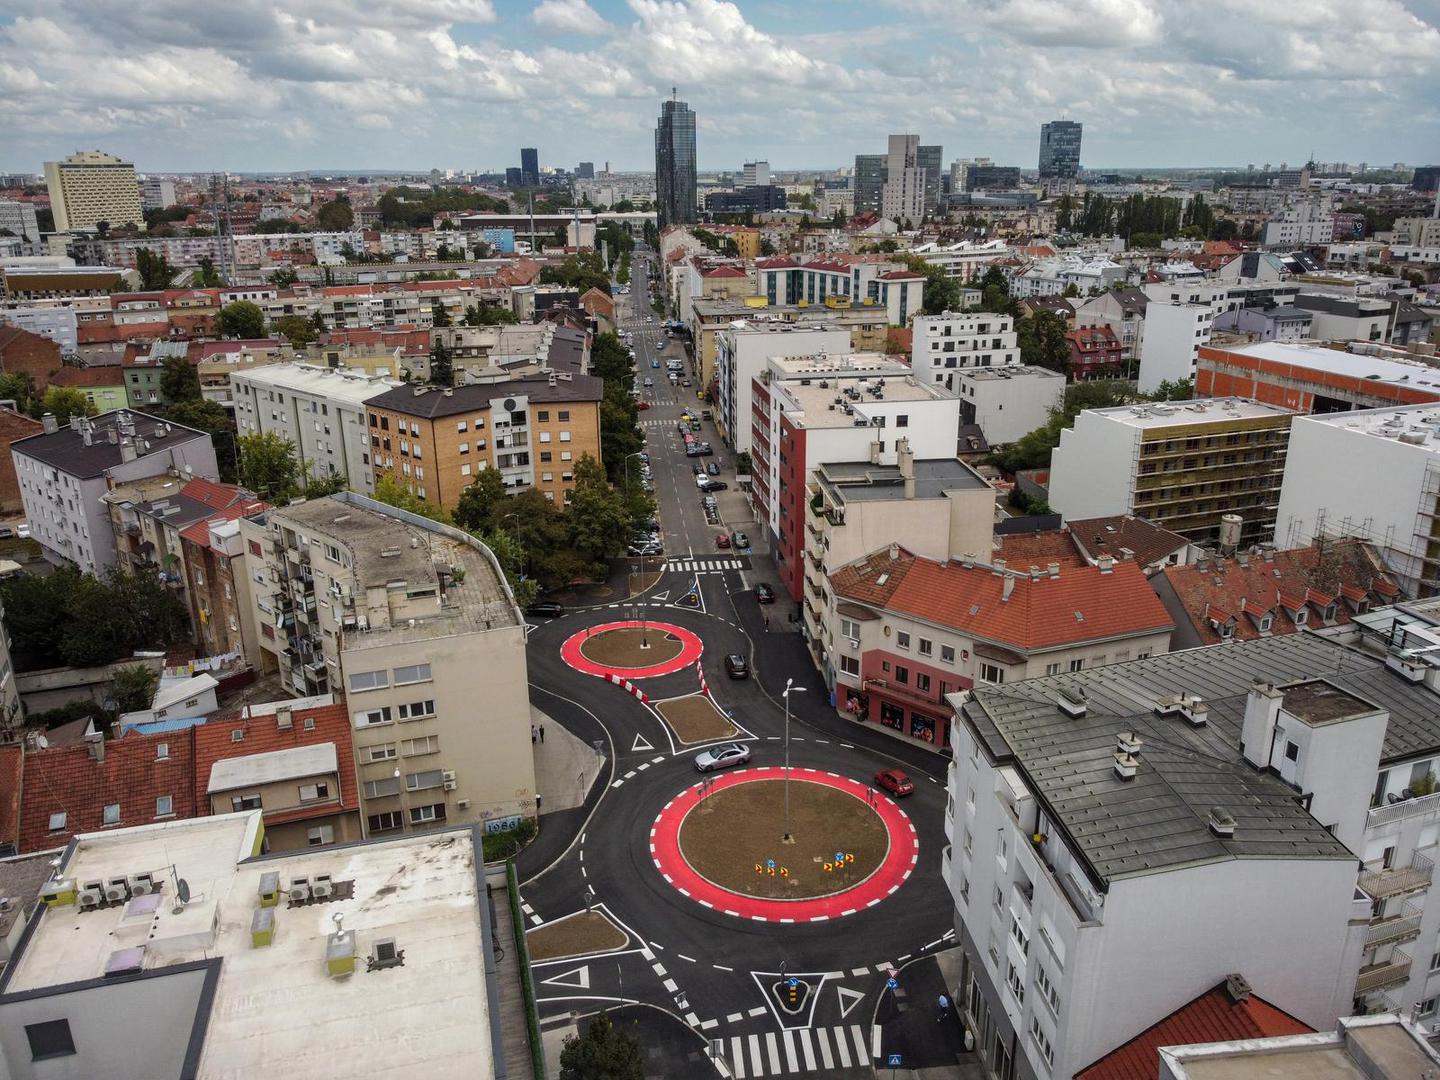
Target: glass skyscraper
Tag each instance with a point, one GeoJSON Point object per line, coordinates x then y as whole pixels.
{"type": "Point", "coordinates": [675, 164]}
{"type": "Point", "coordinates": [1059, 150]}
{"type": "Point", "coordinates": [530, 166]}
{"type": "Point", "coordinates": [868, 179]}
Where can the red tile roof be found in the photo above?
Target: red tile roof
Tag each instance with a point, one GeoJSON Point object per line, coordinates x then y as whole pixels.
{"type": "Point", "coordinates": [1147, 543]}
{"type": "Point", "coordinates": [1081, 604]}
{"type": "Point", "coordinates": [214, 742]}
{"type": "Point", "coordinates": [14, 426]}
{"type": "Point", "coordinates": [65, 780]}
{"type": "Point", "coordinates": [199, 533]}
{"type": "Point", "coordinates": [213, 493]}
{"type": "Point", "coordinates": [1024, 550]}
{"type": "Point", "coordinates": [91, 376]}
{"type": "Point", "coordinates": [901, 275]}
{"type": "Point", "coordinates": [724, 272]}
{"type": "Point", "coordinates": [1280, 582]}
{"type": "Point", "coordinates": [1212, 1017]}
{"type": "Point", "coordinates": [12, 768]}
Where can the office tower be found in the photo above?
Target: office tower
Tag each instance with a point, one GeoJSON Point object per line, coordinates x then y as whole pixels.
{"type": "Point", "coordinates": [1059, 150]}
{"type": "Point", "coordinates": [868, 180]}
{"type": "Point", "coordinates": [529, 166]}
{"type": "Point", "coordinates": [902, 197]}
{"type": "Point", "coordinates": [928, 158]}
{"type": "Point", "coordinates": [675, 163]}
{"type": "Point", "coordinates": [756, 174]}
{"type": "Point", "coordinates": [89, 187]}
{"type": "Point", "coordinates": [585, 170]}
{"type": "Point", "coordinates": [514, 177]}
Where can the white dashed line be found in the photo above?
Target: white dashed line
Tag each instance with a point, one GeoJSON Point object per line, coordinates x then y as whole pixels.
{"type": "Point", "coordinates": [670, 986]}
{"type": "Point", "coordinates": [735, 1018]}
{"type": "Point", "coordinates": [682, 956]}
{"type": "Point", "coordinates": [759, 1010]}
{"type": "Point", "coordinates": [708, 1024]}
{"type": "Point", "coordinates": [857, 972]}
{"type": "Point", "coordinates": [722, 967]}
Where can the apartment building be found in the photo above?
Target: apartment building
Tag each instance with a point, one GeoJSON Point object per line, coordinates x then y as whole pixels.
{"type": "Point", "coordinates": [1347, 318]}
{"type": "Point", "coordinates": [1007, 403]}
{"type": "Point", "coordinates": [89, 187]}
{"type": "Point", "coordinates": [147, 984]}
{"type": "Point", "coordinates": [966, 260]}
{"type": "Point", "coordinates": [18, 218]}
{"type": "Point", "coordinates": [433, 442]}
{"type": "Point", "coordinates": [901, 632]}
{"type": "Point", "coordinates": [65, 472]}
{"type": "Point", "coordinates": [902, 195]}
{"type": "Point", "coordinates": [1095, 353]}
{"type": "Point", "coordinates": [1373, 474]}
{"type": "Point", "coordinates": [414, 624]}
{"type": "Point", "coordinates": [787, 280]}
{"type": "Point", "coordinates": [1287, 323]}
{"type": "Point", "coordinates": [1359, 1048]}
{"type": "Point", "coordinates": [743, 349]}
{"type": "Point", "coordinates": [1422, 232]}
{"type": "Point", "coordinates": [1311, 378]}
{"type": "Point", "coordinates": [944, 345]}
{"type": "Point", "coordinates": [1186, 467]}
{"type": "Point", "coordinates": [320, 410]}
{"type": "Point", "coordinates": [215, 361]}
{"type": "Point", "coordinates": [1174, 335]}
{"type": "Point", "coordinates": [1306, 225]}
{"type": "Point", "coordinates": [1082, 837]}
{"type": "Point", "coordinates": [1051, 277]}
{"type": "Point", "coordinates": [220, 587]}
{"type": "Point", "coordinates": [1123, 310]}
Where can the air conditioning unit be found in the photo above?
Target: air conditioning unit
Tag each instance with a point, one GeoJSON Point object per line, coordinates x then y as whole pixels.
{"type": "Point", "coordinates": [299, 890]}
{"type": "Point", "coordinates": [450, 785]}
{"type": "Point", "coordinates": [462, 804]}
{"type": "Point", "coordinates": [117, 890]}
{"type": "Point", "coordinates": [322, 888]}
{"type": "Point", "coordinates": [854, 644]}
{"type": "Point", "coordinates": [448, 776]}
{"type": "Point", "coordinates": [143, 884]}
{"type": "Point", "coordinates": [92, 895]}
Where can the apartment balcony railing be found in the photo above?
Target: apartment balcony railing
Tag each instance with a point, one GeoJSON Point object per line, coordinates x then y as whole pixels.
{"type": "Point", "coordinates": [1393, 972]}
{"type": "Point", "coordinates": [1399, 927]}
{"type": "Point", "coordinates": [1406, 808]}
{"type": "Point", "coordinates": [1380, 882]}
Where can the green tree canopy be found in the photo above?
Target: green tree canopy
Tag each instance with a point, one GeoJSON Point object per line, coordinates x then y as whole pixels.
{"type": "Point", "coordinates": [268, 467]}
{"type": "Point", "coordinates": [179, 381]}
{"type": "Point", "coordinates": [442, 369]}
{"type": "Point", "coordinates": [297, 329]}
{"type": "Point", "coordinates": [478, 508]}
{"type": "Point", "coordinates": [216, 421]}
{"type": "Point", "coordinates": [65, 402]}
{"type": "Point", "coordinates": [489, 315]}
{"type": "Point", "coordinates": [599, 516]}
{"type": "Point", "coordinates": [582, 271]}
{"type": "Point", "coordinates": [1041, 337]}
{"type": "Point", "coordinates": [391, 491]}
{"type": "Point", "coordinates": [155, 273]}
{"type": "Point", "coordinates": [602, 1052]}
{"type": "Point", "coordinates": [132, 688]}
{"type": "Point", "coordinates": [336, 215]}
{"type": "Point", "coordinates": [283, 278]}
{"type": "Point", "coordinates": [242, 319]}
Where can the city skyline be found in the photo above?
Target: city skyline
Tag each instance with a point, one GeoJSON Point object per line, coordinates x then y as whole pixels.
{"type": "Point", "coordinates": [463, 83]}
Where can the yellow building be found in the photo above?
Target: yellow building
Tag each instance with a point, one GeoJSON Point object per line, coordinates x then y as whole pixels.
{"type": "Point", "coordinates": [89, 187]}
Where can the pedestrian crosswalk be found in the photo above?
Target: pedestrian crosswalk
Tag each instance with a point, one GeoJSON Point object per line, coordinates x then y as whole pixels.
{"type": "Point", "coordinates": [801, 1050]}
{"type": "Point", "coordinates": [700, 566]}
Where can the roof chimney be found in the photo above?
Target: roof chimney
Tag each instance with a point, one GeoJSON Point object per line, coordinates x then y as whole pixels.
{"type": "Point", "coordinates": [1106, 563]}
{"type": "Point", "coordinates": [894, 552]}
{"type": "Point", "coordinates": [1007, 588]}
{"type": "Point", "coordinates": [1053, 569]}
{"type": "Point", "coordinates": [1237, 988]}
{"type": "Point", "coordinates": [96, 742]}
{"type": "Point", "coordinates": [1222, 824]}
{"type": "Point", "coordinates": [50, 424]}
{"type": "Point", "coordinates": [1262, 708]}
{"type": "Point", "coordinates": [874, 452]}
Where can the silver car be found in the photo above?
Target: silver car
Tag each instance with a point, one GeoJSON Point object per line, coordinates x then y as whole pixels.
{"type": "Point", "coordinates": [722, 757]}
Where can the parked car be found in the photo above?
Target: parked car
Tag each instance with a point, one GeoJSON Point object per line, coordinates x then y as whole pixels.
{"type": "Point", "coordinates": [694, 424]}
{"type": "Point", "coordinates": [712, 484]}
{"type": "Point", "coordinates": [764, 594]}
{"type": "Point", "coordinates": [697, 469]}
{"type": "Point", "coordinates": [686, 382]}
{"type": "Point", "coordinates": [641, 406]}
{"type": "Point", "coordinates": [737, 667]}
{"type": "Point", "coordinates": [649, 381]}
{"type": "Point", "coordinates": [740, 540]}
{"type": "Point", "coordinates": [722, 757]}
{"type": "Point", "coordinates": [699, 450]}
{"type": "Point", "coordinates": [705, 414]}
{"type": "Point", "coordinates": [722, 541]}
{"type": "Point", "coordinates": [548, 609]}
{"type": "Point", "coordinates": [713, 468]}
{"type": "Point", "coordinates": [894, 781]}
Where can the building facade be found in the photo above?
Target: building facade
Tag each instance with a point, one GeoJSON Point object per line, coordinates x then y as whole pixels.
{"type": "Point", "coordinates": [1060, 149]}
{"type": "Point", "coordinates": [902, 196]}
{"type": "Point", "coordinates": [868, 181]}
{"type": "Point", "coordinates": [1008, 402]}
{"type": "Point", "coordinates": [675, 176]}
{"type": "Point", "coordinates": [1174, 336]}
{"type": "Point", "coordinates": [944, 345]}
{"type": "Point", "coordinates": [89, 187]}
{"type": "Point", "coordinates": [1310, 378]}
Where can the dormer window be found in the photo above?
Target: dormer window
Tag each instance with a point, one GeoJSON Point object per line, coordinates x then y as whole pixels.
{"type": "Point", "coordinates": [1265, 621]}
{"type": "Point", "coordinates": [1301, 617]}
{"type": "Point", "coordinates": [1227, 630]}
{"type": "Point", "coordinates": [1327, 613]}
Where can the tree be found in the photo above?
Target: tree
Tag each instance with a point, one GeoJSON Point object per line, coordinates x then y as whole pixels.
{"type": "Point", "coordinates": [439, 315]}
{"type": "Point", "coordinates": [155, 272]}
{"type": "Point", "coordinates": [442, 371]}
{"type": "Point", "coordinates": [582, 271]}
{"type": "Point", "coordinates": [132, 688]}
{"type": "Point", "coordinates": [19, 389]}
{"type": "Point", "coordinates": [283, 278]}
{"type": "Point", "coordinates": [599, 519]}
{"type": "Point", "coordinates": [995, 293]}
{"type": "Point", "coordinates": [488, 315]}
{"type": "Point", "coordinates": [65, 402]}
{"type": "Point", "coordinates": [317, 320]}
{"type": "Point", "coordinates": [215, 420]}
{"type": "Point", "coordinates": [330, 484]}
{"type": "Point", "coordinates": [268, 467]}
{"type": "Point", "coordinates": [1174, 390]}
{"type": "Point", "coordinates": [242, 319]}
{"type": "Point", "coordinates": [297, 329]}
{"type": "Point", "coordinates": [1041, 338]}
{"type": "Point", "coordinates": [478, 509]}
{"type": "Point", "coordinates": [179, 381]}
{"type": "Point", "coordinates": [511, 556]}
{"type": "Point", "coordinates": [207, 277]}
{"type": "Point", "coordinates": [602, 1052]}
{"type": "Point", "coordinates": [336, 215]}
{"type": "Point", "coordinates": [942, 292]}
{"type": "Point", "coordinates": [389, 490]}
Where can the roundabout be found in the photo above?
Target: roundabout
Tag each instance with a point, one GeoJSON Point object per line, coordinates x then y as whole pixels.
{"type": "Point", "coordinates": [721, 844]}
{"type": "Point", "coordinates": [632, 650]}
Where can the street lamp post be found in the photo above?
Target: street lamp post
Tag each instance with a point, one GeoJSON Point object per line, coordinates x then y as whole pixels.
{"type": "Point", "coordinates": [790, 688]}
{"type": "Point", "coordinates": [630, 483]}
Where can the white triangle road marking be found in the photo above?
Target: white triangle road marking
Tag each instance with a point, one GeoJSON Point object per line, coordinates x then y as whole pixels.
{"type": "Point", "coordinates": [575, 978]}
{"type": "Point", "coordinates": [848, 1000]}
{"type": "Point", "coordinates": [642, 744]}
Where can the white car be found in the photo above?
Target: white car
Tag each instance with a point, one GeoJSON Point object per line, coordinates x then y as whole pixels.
{"type": "Point", "coordinates": [722, 757]}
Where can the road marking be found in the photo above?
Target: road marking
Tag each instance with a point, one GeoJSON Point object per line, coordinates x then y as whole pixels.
{"type": "Point", "coordinates": [640, 743]}
{"type": "Point", "coordinates": [708, 1024]}
{"type": "Point", "coordinates": [682, 956]}
{"type": "Point", "coordinates": [737, 1057]}
{"type": "Point", "coordinates": [773, 1050]}
{"type": "Point", "coordinates": [792, 1061]}
{"type": "Point", "coordinates": [535, 920]}
{"type": "Point", "coordinates": [861, 1051]}
{"type": "Point", "coordinates": [630, 775]}
{"type": "Point", "coordinates": [848, 1000]}
{"type": "Point", "coordinates": [617, 783]}
{"type": "Point", "coordinates": [659, 969]}
{"type": "Point", "coordinates": [722, 967]}
{"type": "Point", "coordinates": [848, 746]}
{"type": "Point", "coordinates": [757, 1064]}
{"type": "Point", "coordinates": [658, 760]}
{"type": "Point", "coordinates": [860, 971]}
{"type": "Point", "coordinates": [734, 1018]}
{"type": "Point", "coordinates": [826, 1058]}
{"type": "Point", "coordinates": [575, 978]}
{"type": "Point", "coordinates": [670, 986]}
{"type": "Point", "coordinates": [759, 1010]}
{"type": "Point", "coordinates": [842, 1048]}
{"type": "Point", "coordinates": [806, 1050]}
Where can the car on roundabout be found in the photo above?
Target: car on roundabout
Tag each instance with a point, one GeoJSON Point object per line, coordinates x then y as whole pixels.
{"type": "Point", "coordinates": [722, 757]}
{"type": "Point", "coordinates": [894, 781]}
{"type": "Point", "coordinates": [549, 609]}
{"type": "Point", "coordinates": [737, 667]}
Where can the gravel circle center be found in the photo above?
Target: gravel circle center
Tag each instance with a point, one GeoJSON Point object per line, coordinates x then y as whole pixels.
{"type": "Point", "coordinates": [631, 647]}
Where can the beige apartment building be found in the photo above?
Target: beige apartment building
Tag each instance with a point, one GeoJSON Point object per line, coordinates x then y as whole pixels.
{"type": "Point", "coordinates": [89, 187]}
{"type": "Point", "coordinates": [868, 326]}
{"type": "Point", "coordinates": [413, 623]}
{"type": "Point", "coordinates": [434, 441]}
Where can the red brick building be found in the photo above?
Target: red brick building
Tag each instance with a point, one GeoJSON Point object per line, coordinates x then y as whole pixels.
{"type": "Point", "coordinates": [1094, 352]}
{"type": "Point", "coordinates": [24, 353]}
{"type": "Point", "coordinates": [13, 426]}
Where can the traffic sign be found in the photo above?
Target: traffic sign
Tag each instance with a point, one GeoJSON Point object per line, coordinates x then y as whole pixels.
{"type": "Point", "coordinates": [891, 984]}
{"type": "Point", "coordinates": [893, 1061]}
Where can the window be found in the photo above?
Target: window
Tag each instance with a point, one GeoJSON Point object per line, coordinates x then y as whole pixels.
{"type": "Point", "coordinates": [924, 646]}
{"type": "Point", "coordinates": [999, 899]}
{"type": "Point", "coordinates": [1015, 978]}
{"type": "Point", "coordinates": [376, 789]}
{"type": "Point", "coordinates": [850, 665]}
{"type": "Point", "coordinates": [1041, 1042]}
{"type": "Point", "coordinates": [564, 436]}
{"type": "Point", "coordinates": [419, 815]}
{"type": "Point", "coordinates": [902, 674]}
{"type": "Point", "coordinates": [564, 416]}
{"type": "Point", "coordinates": [425, 744]}
{"type": "Point", "coordinates": [321, 834]}
{"type": "Point", "coordinates": [164, 806]}
{"type": "Point", "coordinates": [368, 680]}
{"type": "Point", "coordinates": [412, 673]}
{"type": "Point", "coordinates": [383, 822]}
{"type": "Point", "coordinates": [245, 802]}
{"type": "Point", "coordinates": [947, 654]}
{"type": "Point", "coordinates": [1077, 665]}
{"type": "Point", "coordinates": [922, 682]}
{"type": "Point", "coordinates": [902, 639]}
{"type": "Point", "coordinates": [162, 751]}
{"type": "Point", "coordinates": [1292, 751]}
{"type": "Point", "coordinates": [903, 420]}
{"type": "Point", "coordinates": [57, 822]}
{"type": "Point", "coordinates": [112, 814]}
{"type": "Point", "coordinates": [420, 781]}
{"type": "Point", "coordinates": [464, 448]}
{"type": "Point", "coordinates": [49, 1039]}
{"type": "Point", "coordinates": [332, 553]}
{"type": "Point", "coordinates": [1052, 669]}
{"type": "Point", "coordinates": [992, 673]}
{"type": "Point", "coordinates": [460, 428]}
{"type": "Point", "coordinates": [414, 710]}
{"type": "Point", "coordinates": [1022, 939]}
{"type": "Point", "coordinates": [371, 717]}
{"type": "Point", "coordinates": [543, 416]}
{"type": "Point", "coordinates": [314, 792]}
{"type": "Point", "coordinates": [544, 436]}
{"type": "Point", "coordinates": [379, 752]}
{"type": "Point", "coordinates": [1048, 993]}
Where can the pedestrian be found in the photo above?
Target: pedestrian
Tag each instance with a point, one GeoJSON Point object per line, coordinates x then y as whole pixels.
{"type": "Point", "coordinates": [767, 623]}
{"type": "Point", "coordinates": [534, 733]}
{"type": "Point", "coordinates": [944, 1004]}
{"type": "Point", "coordinates": [542, 733]}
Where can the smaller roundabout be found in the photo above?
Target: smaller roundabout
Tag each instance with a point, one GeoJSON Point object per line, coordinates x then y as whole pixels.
{"type": "Point", "coordinates": [721, 844]}
{"type": "Point", "coordinates": [632, 649]}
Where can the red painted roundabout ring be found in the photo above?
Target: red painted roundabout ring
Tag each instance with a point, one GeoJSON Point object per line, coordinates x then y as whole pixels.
{"type": "Point", "coordinates": [691, 648]}
{"type": "Point", "coordinates": [900, 860]}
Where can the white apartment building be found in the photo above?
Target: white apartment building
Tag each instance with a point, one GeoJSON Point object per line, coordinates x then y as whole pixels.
{"type": "Point", "coordinates": [946, 344]}
{"type": "Point", "coordinates": [1420, 232]}
{"type": "Point", "coordinates": [18, 218]}
{"type": "Point", "coordinates": [157, 193]}
{"type": "Point", "coordinates": [966, 259]}
{"type": "Point", "coordinates": [89, 187]}
{"type": "Point", "coordinates": [414, 623]}
{"type": "Point", "coordinates": [1347, 318]}
{"type": "Point", "coordinates": [1008, 402]}
{"type": "Point", "coordinates": [65, 471]}
{"type": "Point", "coordinates": [742, 351]}
{"type": "Point", "coordinates": [1171, 347]}
{"type": "Point", "coordinates": [755, 174]}
{"type": "Point", "coordinates": [321, 410]}
{"type": "Point", "coordinates": [1374, 474]}
{"type": "Point", "coordinates": [1051, 277]}
{"type": "Point", "coordinates": [1306, 225]}
{"type": "Point", "coordinates": [902, 196]}
{"type": "Point", "coordinates": [1082, 839]}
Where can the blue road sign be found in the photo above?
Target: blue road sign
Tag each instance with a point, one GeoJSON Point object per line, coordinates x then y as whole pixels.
{"type": "Point", "coordinates": [792, 982]}
{"type": "Point", "coordinates": [893, 1060]}
{"type": "Point", "coordinates": [891, 984]}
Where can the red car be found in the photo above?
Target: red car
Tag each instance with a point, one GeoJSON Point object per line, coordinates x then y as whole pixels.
{"type": "Point", "coordinates": [641, 406]}
{"type": "Point", "coordinates": [722, 540]}
{"type": "Point", "coordinates": [894, 781]}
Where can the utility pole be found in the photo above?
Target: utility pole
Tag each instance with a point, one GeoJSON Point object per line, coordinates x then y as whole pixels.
{"type": "Point", "coordinates": [790, 688]}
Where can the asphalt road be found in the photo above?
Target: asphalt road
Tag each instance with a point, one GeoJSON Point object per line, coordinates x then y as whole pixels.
{"type": "Point", "coordinates": [713, 972]}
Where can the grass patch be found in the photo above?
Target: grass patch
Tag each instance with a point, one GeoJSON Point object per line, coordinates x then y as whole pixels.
{"type": "Point", "coordinates": [504, 845]}
{"type": "Point", "coordinates": [695, 719]}
{"type": "Point", "coordinates": [583, 932]}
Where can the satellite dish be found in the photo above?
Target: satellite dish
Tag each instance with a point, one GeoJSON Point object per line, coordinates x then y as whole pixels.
{"type": "Point", "coordinates": [182, 890]}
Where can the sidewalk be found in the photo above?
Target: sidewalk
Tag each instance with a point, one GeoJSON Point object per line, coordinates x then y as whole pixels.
{"type": "Point", "coordinates": [911, 1025]}
{"type": "Point", "coordinates": [565, 766]}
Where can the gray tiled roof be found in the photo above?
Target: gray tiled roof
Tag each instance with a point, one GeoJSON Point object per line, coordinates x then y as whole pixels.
{"type": "Point", "coordinates": [1158, 820]}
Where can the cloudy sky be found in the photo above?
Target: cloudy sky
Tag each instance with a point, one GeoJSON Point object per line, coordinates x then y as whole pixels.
{"type": "Point", "coordinates": [415, 84]}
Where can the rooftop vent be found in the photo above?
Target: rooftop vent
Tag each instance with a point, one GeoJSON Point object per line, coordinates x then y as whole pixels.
{"type": "Point", "coordinates": [1221, 823]}
{"type": "Point", "coordinates": [1127, 742]}
{"type": "Point", "coordinates": [1126, 766]}
{"type": "Point", "coordinates": [1071, 702]}
{"type": "Point", "coordinates": [1237, 988]}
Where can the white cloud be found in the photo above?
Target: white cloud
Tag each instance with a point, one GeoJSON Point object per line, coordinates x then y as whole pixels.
{"type": "Point", "coordinates": [572, 16]}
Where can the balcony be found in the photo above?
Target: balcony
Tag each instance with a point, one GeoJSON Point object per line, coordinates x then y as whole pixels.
{"type": "Point", "coordinates": [1406, 808]}
{"type": "Point", "coordinates": [1392, 972]}
{"type": "Point", "coordinates": [1398, 927]}
{"type": "Point", "coordinates": [1380, 882]}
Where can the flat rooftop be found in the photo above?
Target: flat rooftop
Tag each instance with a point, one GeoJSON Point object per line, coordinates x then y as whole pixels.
{"type": "Point", "coordinates": [275, 1008]}
{"type": "Point", "coordinates": [860, 481]}
{"type": "Point", "coordinates": [1365, 1048]}
{"type": "Point", "coordinates": [1319, 702]}
{"type": "Point", "coordinates": [337, 384]}
{"type": "Point", "coordinates": [840, 365]}
{"type": "Point", "coordinates": [1415, 425]}
{"type": "Point", "coordinates": [1185, 413]}
{"type": "Point", "coordinates": [1006, 372]}
{"type": "Point", "coordinates": [815, 406]}
{"type": "Point", "coordinates": [1316, 358]}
